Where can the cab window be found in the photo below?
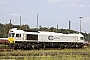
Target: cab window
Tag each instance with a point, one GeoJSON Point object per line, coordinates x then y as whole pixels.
{"type": "Point", "coordinates": [81, 38]}
{"type": "Point", "coordinates": [11, 34]}
{"type": "Point", "coordinates": [18, 35]}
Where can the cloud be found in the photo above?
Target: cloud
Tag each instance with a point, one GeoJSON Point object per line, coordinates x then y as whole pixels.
{"type": "Point", "coordinates": [5, 10]}
{"type": "Point", "coordinates": [65, 5]}
{"type": "Point", "coordinates": [81, 6]}
{"type": "Point", "coordinates": [14, 14]}
{"type": "Point", "coordinates": [87, 20]}
{"type": "Point", "coordinates": [54, 0]}
{"type": "Point", "coordinates": [88, 5]}
{"type": "Point", "coordinates": [72, 0]}
{"type": "Point", "coordinates": [74, 4]}
{"type": "Point", "coordinates": [62, 0]}
{"type": "Point", "coordinates": [70, 5]}
{"type": "Point", "coordinates": [4, 2]}
{"type": "Point", "coordinates": [62, 18]}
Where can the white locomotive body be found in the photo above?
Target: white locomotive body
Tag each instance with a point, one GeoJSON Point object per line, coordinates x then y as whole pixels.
{"type": "Point", "coordinates": [26, 39]}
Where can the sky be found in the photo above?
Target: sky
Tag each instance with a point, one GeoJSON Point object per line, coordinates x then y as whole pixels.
{"type": "Point", "coordinates": [50, 13]}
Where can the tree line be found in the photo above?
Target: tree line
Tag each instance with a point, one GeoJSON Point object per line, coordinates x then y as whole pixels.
{"type": "Point", "coordinates": [4, 29]}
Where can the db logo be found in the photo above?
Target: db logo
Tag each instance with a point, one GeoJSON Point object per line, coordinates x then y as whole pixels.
{"type": "Point", "coordinates": [50, 37]}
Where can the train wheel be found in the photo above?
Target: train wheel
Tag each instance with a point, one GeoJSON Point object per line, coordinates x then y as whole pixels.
{"type": "Point", "coordinates": [37, 46]}
{"type": "Point", "coordinates": [11, 46]}
{"type": "Point", "coordinates": [33, 47]}
{"type": "Point", "coordinates": [15, 47]}
{"type": "Point", "coordinates": [61, 46]}
{"type": "Point", "coordinates": [44, 46]}
{"type": "Point", "coordinates": [80, 46]}
{"type": "Point", "coordinates": [69, 46]}
{"type": "Point", "coordinates": [28, 46]}
{"type": "Point", "coordinates": [65, 46]}
{"type": "Point", "coordinates": [20, 45]}
{"type": "Point", "coordinates": [76, 46]}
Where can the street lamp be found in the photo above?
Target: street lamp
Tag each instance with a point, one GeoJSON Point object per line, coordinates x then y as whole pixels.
{"type": "Point", "coordinates": [80, 23]}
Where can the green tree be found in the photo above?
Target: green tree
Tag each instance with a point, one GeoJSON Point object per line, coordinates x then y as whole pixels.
{"type": "Point", "coordinates": [52, 29]}
{"type": "Point", "coordinates": [25, 27]}
{"type": "Point", "coordinates": [16, 26]}
{"type": "Point", "coordinates": [1, 30]}
{"type": "Point", "coordinates": [4, 29]}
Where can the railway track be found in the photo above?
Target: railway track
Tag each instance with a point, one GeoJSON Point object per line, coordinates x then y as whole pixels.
{"type": "Point", "coordinates": [54, 55]}
{"type": "Point", "coordinates": [22, 54]}
{"type": "Point", "coordinates": [5, 50]}
{"type": "Point", "coordinates": [11, 52]}
{"type": "Point", "coordinates": [8, 49]}
{"type": "Point", "coordinates": [23, 57]}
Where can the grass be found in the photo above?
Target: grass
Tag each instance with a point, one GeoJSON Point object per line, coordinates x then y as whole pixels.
{"type": "Point", "coordinates": [59, 54]}
{"type": "Point", "coordinates": [2, 46]}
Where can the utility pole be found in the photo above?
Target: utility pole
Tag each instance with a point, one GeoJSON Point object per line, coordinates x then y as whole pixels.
{"type": "Point", "coordinates": [10, 23]}
{"type": "Point", "coordinates": [85, 35]}
{"type": "Point", "coordinates": [48, 29]}
{"type": "Point", "coordinates": [37, 21]}
{"type": "Point", "coordinates": [69, 25]}
{"type": "Point", "coordinates": [80, 23]}
{"type": "Point", "coordinates": [40, 27]}
{"type": "Point", "coordinates": [57, 29]}
{"type": "Point", "coordinates": [20, 21]}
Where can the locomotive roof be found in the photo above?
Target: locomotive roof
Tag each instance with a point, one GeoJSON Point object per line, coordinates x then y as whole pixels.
{"type": "Point", "coordinates": [16, 31]}
{"type": "Point", "coordinates": [42, 32]}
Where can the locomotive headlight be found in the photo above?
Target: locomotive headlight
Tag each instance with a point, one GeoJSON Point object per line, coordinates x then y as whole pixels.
{"type": "Point", "coordinates": [11, 40]}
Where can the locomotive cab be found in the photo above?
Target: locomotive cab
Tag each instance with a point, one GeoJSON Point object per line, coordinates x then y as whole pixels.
{"type": "Point", "coordinates": [81, 38]}
{"type": "Point", "coordinates": [15, 34]}
{"type": "Point", "coordinates": [11, 38]}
